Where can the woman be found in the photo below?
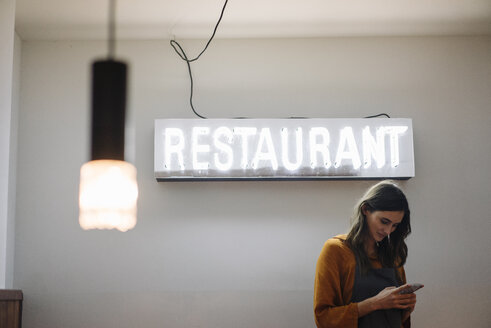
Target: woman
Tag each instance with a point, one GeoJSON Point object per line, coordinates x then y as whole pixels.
{"type": "Point", "coordinates": [359, 276]}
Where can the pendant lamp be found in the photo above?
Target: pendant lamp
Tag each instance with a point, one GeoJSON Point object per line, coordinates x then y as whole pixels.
{"type": "Point", "coordinates": [108, 188]}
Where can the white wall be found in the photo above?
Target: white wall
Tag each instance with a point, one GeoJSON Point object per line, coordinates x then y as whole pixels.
{"type": "Point", "coordinates": [242, 254]}
{"type": "Point", "coordinates": [12, 180]}
{"type": "Point", "coordinates": [7, 148]}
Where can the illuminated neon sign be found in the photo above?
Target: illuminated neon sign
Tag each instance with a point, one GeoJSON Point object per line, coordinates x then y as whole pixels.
{"type": "Point", "coordinates": [278, 149]}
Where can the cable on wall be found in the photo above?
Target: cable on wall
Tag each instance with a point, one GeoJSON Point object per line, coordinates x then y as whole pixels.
{"type": "Point", "coordinates": [188, 61]}
{"type": "Point", "coordinates": [378, 115]}
{"type": "Point", "coordinates": [180, 51]}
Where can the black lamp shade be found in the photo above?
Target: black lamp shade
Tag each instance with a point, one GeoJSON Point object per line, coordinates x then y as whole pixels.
{"type": "Point", "coordinates": [108, 109]}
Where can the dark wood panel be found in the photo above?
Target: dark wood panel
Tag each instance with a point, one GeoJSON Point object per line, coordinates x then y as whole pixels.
{"type": "Point", "coordinates": [9, 314]}
{"type": "Point", "coordinates": [10, 295]}
{"type": "Point", "coordinates": [10, 308]}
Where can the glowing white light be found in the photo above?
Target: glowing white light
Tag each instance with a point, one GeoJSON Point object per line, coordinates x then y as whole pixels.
{"type": "Point", "coordinates": [245, 133]}
{"type": "Point", "coordinates": [394, 132]}
{"type": "Point", "coordinates": [199, 148]}
{"type": "Point", "coordinates": [224, 147]}
{"type": "Point", "coordinates": [176, 148]}
{"type": "Point", "coordinates": [347, 138]}
{"type": "Point", "coordinates": [373, 148]}
{"type": "Point", "coordinates": [269, 154]}
{"type": "Point", "coordinates": [298, 149]}
{"type": "Point", "coordinates": [108, 195]}
{"type": "Point", "coordinates": [322, 147]}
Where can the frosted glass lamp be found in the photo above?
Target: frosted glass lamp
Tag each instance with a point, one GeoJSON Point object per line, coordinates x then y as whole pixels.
{"type": "Point", "coordinates": [108, 195]}
{"type": "Point", "coordinates": [108, 187]}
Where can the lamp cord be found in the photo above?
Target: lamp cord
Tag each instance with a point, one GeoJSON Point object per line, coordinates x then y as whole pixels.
{"type": "Point", "coordinates": [111, 40]}
{"type": "Point", "coordinates": [188, 61]}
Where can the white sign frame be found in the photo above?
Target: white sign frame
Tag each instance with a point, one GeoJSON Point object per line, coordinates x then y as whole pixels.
{"type": "Point", "coordinates": [267, 149]}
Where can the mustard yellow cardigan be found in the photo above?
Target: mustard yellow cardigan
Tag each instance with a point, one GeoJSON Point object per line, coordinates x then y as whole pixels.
{"type": "Point", "coordinates": [334, 280]}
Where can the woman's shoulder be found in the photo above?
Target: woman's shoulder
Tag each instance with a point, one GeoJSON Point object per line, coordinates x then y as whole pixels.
{"type": "Point", "coordinates": [336, 252]}
{"type": "Point", "coordinates": [336, 245]}
{"type": "Point", "coordinates": [337, 240]}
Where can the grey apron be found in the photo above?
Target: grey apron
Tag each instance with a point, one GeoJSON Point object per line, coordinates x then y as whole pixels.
{"type": "Point", "coordinates": [369, 285]}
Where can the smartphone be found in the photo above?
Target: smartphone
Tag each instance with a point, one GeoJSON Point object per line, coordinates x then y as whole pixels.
{"type": "Point", "coordinates": [411, 288]}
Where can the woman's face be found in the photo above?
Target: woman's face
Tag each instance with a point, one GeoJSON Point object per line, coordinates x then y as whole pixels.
{"type": "Point", "coordinates": [382, 223]}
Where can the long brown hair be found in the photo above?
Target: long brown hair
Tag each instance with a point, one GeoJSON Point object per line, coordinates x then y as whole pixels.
{"type": "Point", "coordinates": [384, 196]}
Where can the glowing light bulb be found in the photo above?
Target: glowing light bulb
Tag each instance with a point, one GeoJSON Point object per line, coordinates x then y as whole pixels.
{"type": "Point", "coordinates": [108, 195]}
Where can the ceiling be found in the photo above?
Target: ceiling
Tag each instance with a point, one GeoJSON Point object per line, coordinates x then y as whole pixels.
{"type": "Point", "coordinates": [164, 19]}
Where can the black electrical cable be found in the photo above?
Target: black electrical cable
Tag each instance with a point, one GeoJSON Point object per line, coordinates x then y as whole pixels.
{"type": "Point", "coordinates": [111, 30]}
{"type": "Point", "coordinates": [378, 115]}
{"type": "Point", "coordinates": [188, 61]}
{"type": "Point", "coordinates": [184, 57]}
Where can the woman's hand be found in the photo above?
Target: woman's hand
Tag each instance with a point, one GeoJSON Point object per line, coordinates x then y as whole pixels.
{"type": "Point", "coordinates": [389, 298]}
